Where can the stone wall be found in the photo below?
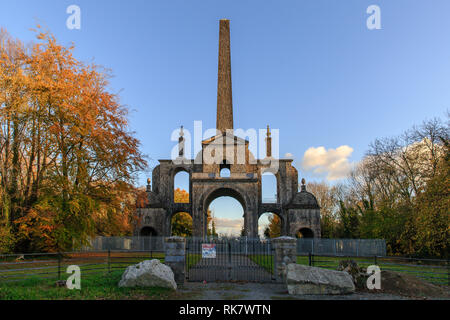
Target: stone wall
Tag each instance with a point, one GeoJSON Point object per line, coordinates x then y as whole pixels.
{"type": "Point", "coordinates": [285, 252]}
{"type": "Point", "coordinates": [175, 257]}
{"type": "Point", "coordinates": [304, 218]}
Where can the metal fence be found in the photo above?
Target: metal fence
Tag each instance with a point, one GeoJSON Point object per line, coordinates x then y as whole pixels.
{"type": "Point", "coordinates": [150, 244]}
{"type": "Point", "coordinates": [342, 247]}
{"type": "Point", "coordinates": [240, 259]}
{"type": "Point", "coordinates": [432, 270]}
{"type": "Point", "coordinates": [39, 266]}
{"type": "Point", "coordinates": [19, 267]}
{"type": "Point", "coordinates": [316, 246]}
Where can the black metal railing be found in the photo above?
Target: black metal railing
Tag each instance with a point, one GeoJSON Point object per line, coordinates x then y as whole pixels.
{"type": "Point", "coordinates": [234, 260]}
{"type": "Point", "coordinates": [19, 267]}
{"type": "Point", "coordinates": [432, 270]}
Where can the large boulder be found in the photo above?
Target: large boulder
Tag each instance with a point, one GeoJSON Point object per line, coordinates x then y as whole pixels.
{"type": "Point", "coordinates": [311, 280]}
{"type": "Point", "coordinates": [149, 273]}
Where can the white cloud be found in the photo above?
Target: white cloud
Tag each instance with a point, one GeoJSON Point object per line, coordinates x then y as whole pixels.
{"type": "Point", "coordinates": [332, 162]}
{"type": "Point", "coordinates": [228, 226]}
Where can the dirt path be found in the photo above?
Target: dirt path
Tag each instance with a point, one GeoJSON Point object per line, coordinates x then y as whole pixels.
{"type": "Point", "coordinates": [268, 291]}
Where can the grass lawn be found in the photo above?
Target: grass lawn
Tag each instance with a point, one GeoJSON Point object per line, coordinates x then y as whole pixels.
{"type": "Point", "coordinates": [192, 259]}
{"type": "Point", "coordinates": [99, 286]}
{"type": "Point", "coordinates": [265, 261]}
{"type": "Point", "coordinates": [88, 263]}
{"type": "Point", "coordinates": [431, 273]}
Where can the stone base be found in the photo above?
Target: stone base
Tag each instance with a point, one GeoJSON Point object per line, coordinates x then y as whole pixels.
{"type": "Point", "coordinates": [305, 280]}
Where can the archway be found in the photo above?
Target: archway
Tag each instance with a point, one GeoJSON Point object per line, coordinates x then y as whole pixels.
{"type": "Point", "coordinates": [304, 233]}
{"type": "Point", "coordinates": [269, 225]}
{"type": "Point", "coordinates": [181, 185]}
{"type": "Point", "coordinates": [269, 191]}
{"type": "Point", "coordinates": [148, 232]}
{"type": "Point", "coordinates": [225, 213]}
{"type": "Point", "coordinates": [225, 173]}
{"type": "Point", "coordinates": [181, 225]}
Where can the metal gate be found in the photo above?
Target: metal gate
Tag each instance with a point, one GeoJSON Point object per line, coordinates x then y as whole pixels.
{"type": "Point", "coordinates": [225, 260]}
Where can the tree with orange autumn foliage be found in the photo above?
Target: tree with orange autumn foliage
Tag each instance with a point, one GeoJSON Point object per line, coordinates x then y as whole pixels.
{"type": "Point", "coordinates": [182, 221]}
{"type": "Point", "coordinates": [273, 230]}
{"type": "Point", "coordinates": [67, 159]}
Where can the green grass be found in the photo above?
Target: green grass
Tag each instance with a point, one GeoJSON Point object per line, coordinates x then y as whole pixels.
{"type": "Point", "coordinates": [192, 259]}
{"type": "Point", "coordinates": [263, 260]}
{"type": "Point", "coordinates": [430, 273]}
{"type": "Point", "coordinates": [88, 263]}
{"type": "Point", "coordinates": [100, 286]}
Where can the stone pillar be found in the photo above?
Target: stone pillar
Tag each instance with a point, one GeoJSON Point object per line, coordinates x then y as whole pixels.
{"type": "Point", "coordinates": [175, 248]}
{"type": "Point", "coordinates": [224, 95]}
{"type": "Point", "coordinates": [285, 252]}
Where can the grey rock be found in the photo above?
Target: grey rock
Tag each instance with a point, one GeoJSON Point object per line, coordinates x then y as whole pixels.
{"type": "Point", "coordinates": [149, 273]}
{"type": "Point", "coordinates": [311, 280]}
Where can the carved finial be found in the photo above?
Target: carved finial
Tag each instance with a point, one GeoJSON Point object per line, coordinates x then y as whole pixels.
{"type": "Point", "coordinates": [181, 143]}
{"type": "Point", "coordinates": [149, 181]}
{"type": "Point", "coordinates": [268, 143]}
{"type": "Point", "coordinates": [303, 184]}
{"type": "Point", "coordinates": [149, 187]}
{"type": "Point", "coordinates": [303, 181]}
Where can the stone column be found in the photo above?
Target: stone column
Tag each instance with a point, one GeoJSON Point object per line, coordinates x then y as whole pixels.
{"type": "Point", "coordinates": [285, 252]}
{"type": "Point", "coordinates": [175, 248]}
{"type": "Point", "coordinates": [224, 91]}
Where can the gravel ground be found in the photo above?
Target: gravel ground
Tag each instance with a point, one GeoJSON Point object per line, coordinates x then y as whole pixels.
{"type": "Point", "coordinates": [258, 291]}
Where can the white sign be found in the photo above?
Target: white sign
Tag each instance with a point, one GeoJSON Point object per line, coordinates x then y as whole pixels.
{"type": "Point", "coordinates": [209, 251]}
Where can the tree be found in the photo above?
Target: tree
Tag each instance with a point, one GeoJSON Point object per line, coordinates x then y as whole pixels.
{"type": "Point", "coordinates": [67, 159]}
{"type": "Point", "coordinates": [432, 211]}
{"type": "Point", "coordinates": [182, 221]}
{"type": "Point", "coordinates": [273, 230]}
{"type": "Point", "coordinates": [327, 198]}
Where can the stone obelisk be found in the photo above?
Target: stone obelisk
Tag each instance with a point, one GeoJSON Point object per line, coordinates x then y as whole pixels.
{"type": "Point", "coordinates": [224, 93]}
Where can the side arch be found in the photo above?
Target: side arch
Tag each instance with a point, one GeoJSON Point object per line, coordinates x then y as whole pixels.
{"type": "Point", "coordinates": [173, 172]}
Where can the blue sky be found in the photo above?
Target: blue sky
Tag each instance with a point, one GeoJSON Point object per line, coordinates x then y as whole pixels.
{"type": "Point", "coordinates": [311, 69]}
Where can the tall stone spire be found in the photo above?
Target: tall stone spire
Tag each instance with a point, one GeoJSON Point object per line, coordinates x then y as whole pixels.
{"type": "Point", "coordinates": [224, 92]}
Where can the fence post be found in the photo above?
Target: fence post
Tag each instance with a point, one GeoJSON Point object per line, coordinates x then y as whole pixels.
{"type": "Point", "coordinates": [448, 272]}
{"type": "Point", "coordinates": [285, 253]}
{"type": "Point", "coordinates": [175, 249]}
{"type": "Point", "coordinates": [109, 261]}
{"type": "Point", "coordinates": [59, 265]}
{"type": "Point", "coordinates": [310, 260]}
{"type": "Point", "coordinates": [375, 260]}
{"type": "Point", "coordinates": [151, 249]}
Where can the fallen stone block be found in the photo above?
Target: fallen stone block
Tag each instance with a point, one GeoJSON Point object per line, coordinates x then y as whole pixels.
{"type": "Point", "coordinates": [311, 280]}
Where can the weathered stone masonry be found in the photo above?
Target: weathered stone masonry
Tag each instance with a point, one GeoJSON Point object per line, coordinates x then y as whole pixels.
{"type": "Point", "coordinates": [299, 211]}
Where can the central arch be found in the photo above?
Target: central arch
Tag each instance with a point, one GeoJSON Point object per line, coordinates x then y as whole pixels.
{"type": "Point", "coordinates": [219, 193]}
